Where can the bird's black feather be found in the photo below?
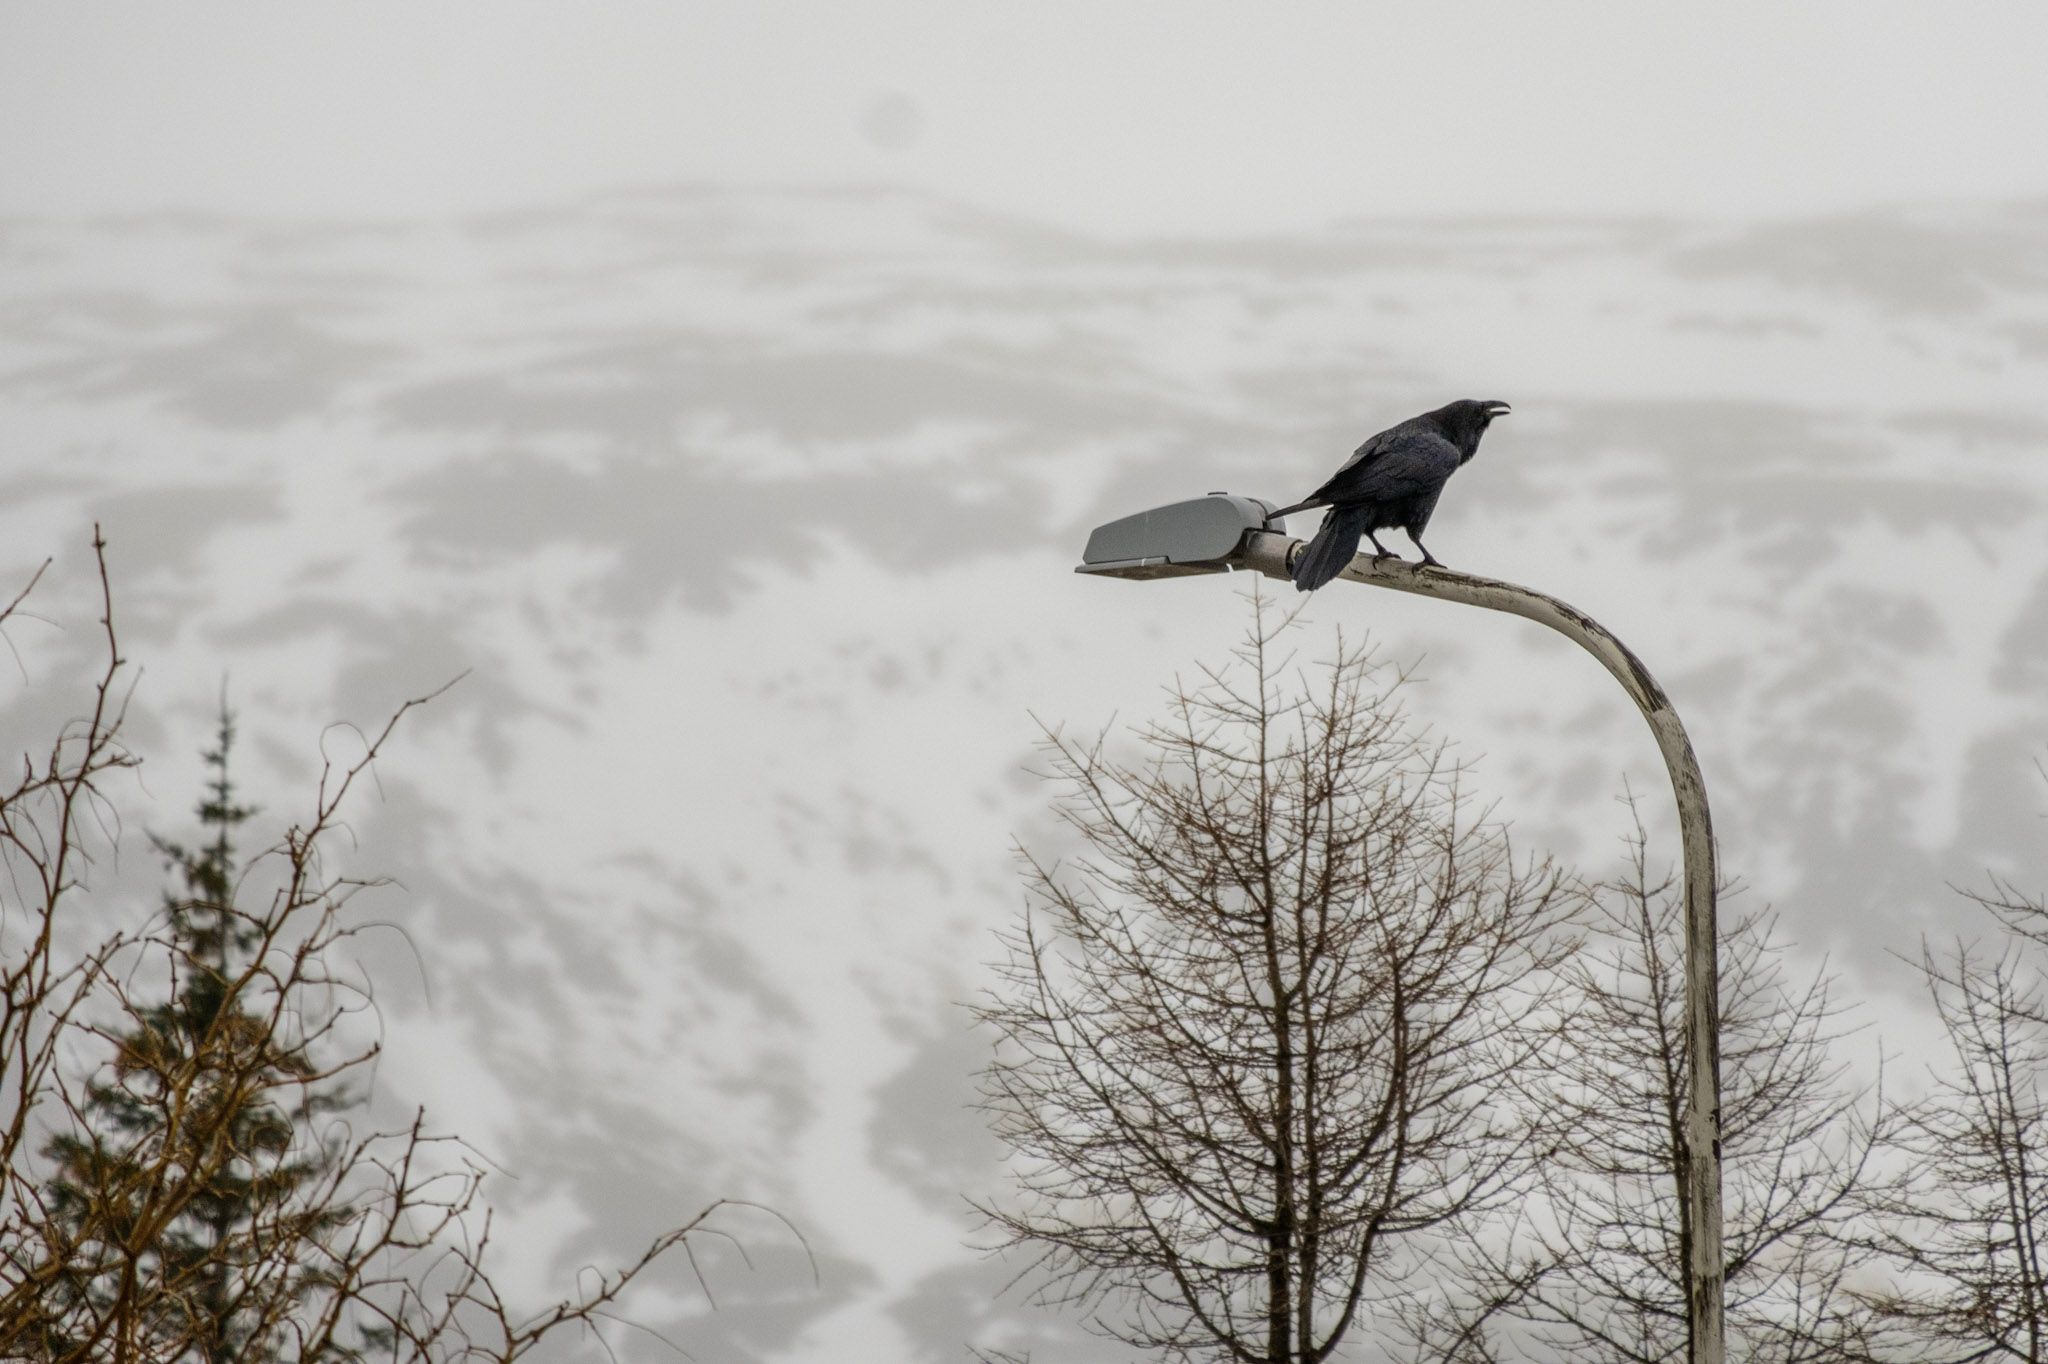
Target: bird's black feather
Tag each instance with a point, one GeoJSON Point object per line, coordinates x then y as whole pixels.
{"type": "Point", "coordinates": [1334, 546]}
{"type": "Point", "coordinates": [1393, 479]}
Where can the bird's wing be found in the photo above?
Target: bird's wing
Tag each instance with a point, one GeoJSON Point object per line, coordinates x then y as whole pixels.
{"type": "Point", "coordinates": [1414, 465]}
{"type": "Point", "coordinates": [1329, 491]}
{"type": "Point", "coordinates": [1373, 447]}
{"type": "Point", "coordinates": [1363, 458]}
{"type": "Point", "coordinates": [1394, 466]}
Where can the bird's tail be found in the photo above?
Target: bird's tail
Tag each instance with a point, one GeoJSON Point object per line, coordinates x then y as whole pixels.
{"type": "Point", "coordinates": [1333, 547]}
{"type": "Point", "coordinates": [1299, 506]}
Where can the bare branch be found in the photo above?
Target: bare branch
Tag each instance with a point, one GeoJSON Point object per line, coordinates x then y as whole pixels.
{"type": "Point", "coordinates": [1259, 1044]}
{"type": "Point", "coordinates": [179, 1177]}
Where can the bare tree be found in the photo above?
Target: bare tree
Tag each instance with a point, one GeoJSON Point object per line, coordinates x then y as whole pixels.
{"type": "Point", "coordinates": [1595, 1268]}
{"type": "Point", "coordinates": [1964, 1221]}
{"type": "Point", "coordinates": [169, 1190]}
{"type": "Point", "coordinates": [1258, 1045]}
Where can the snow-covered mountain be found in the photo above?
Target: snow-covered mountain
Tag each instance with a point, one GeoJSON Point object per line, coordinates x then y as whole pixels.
{"type": "Point", "coordinates": [751, 517]}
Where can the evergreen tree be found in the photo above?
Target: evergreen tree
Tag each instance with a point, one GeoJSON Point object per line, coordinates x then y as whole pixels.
{"type": "Point", "coordinates": [204, 1198]}
{"type": "Point", "coordinates": [209, 1097]}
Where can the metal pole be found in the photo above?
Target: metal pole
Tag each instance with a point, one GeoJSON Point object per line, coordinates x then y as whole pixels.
{"type": "Point", "coordinates": [1268, 553]}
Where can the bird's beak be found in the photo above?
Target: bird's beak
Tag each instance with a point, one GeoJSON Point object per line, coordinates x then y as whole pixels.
{"type": "Point", "coordinates": [1498, 409]}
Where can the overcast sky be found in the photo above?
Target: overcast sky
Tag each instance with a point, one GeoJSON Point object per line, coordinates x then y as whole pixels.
{"type": "Point", "coordinates": [1135, 118]}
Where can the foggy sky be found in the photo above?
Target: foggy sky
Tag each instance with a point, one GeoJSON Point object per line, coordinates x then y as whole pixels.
{"type": "Point", "coordinates": [1135, 118]}
{"type": "Point", "coordinates": [729, 391]}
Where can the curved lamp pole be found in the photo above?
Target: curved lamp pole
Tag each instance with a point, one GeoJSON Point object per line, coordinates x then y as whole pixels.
{"type": "Point", "coordinates": [1220, 533]}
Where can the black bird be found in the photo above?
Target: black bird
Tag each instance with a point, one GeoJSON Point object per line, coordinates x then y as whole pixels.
{"type": "Point", "coordinates": [1393, 479]}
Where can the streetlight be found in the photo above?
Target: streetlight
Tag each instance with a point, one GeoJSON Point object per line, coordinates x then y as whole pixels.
{"type": "Point", "coordinates": [1222, 533]}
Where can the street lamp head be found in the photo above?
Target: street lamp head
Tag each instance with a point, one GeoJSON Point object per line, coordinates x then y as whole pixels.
{"type": "Point", "coordinates": [1201, 535]}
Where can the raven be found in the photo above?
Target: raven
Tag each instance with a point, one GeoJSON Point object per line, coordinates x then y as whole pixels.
{"type": "Point", "coordinates": [1393, 479]}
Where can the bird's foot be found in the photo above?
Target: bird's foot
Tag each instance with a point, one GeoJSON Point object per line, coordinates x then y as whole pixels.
{"type": "Point", "coordinates": [1387, 554]}
{"type": "Point", "coordinates": [1430, 561]}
